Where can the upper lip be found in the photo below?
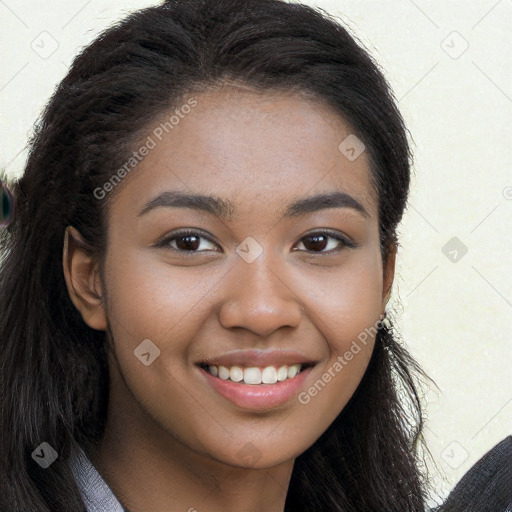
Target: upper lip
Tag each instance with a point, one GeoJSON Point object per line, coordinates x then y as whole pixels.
{"type": "Point", "coordinates": [259, 358]}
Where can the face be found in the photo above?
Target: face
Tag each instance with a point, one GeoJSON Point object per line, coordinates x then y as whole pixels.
{"type": "Point", "coordinates": [264, 278]}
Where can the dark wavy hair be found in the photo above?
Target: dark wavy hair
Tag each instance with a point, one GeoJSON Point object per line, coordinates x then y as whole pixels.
{"type": "Point", "coordinates": [55, 373]}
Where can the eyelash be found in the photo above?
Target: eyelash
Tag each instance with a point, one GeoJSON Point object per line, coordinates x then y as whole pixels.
{"type": "Point", "coordinates": [344, 242]}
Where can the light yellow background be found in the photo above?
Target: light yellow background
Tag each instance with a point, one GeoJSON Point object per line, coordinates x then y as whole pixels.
{"type": "Point", "coordinates": [457, 103]}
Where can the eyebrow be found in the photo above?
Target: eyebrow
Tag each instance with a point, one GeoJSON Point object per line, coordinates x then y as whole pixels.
{"type": "Point", "coordinates": [225, 209]}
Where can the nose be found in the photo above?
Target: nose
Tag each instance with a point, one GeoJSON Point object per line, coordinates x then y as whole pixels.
{"type": "Point", "coordinates": [261, 297]}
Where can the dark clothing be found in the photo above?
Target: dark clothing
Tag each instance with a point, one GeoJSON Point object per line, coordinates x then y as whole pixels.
{"type": "Point", "coordinates": [487, 486]}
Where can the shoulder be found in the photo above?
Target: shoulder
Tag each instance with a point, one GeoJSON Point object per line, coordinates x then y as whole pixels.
{"type": "Point", "coordinates": [487, 486]}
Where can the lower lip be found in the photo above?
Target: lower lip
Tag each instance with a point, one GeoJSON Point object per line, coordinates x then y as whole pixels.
{"type": "Point", "coordinates": [258, 396]}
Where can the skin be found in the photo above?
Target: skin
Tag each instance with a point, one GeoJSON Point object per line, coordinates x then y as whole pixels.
{"type": "Point", "coordinates": [170, 438]}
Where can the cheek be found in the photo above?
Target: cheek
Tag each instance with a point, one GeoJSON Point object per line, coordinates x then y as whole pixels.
{"type": "Point", "coordinates": [353, 302]}
{"type": "Point", "coordinates": [347, 308]}
{"type": "Point", "coordinates": [347, 301]}
{"type": "Point", "coordinates": [148, 299]}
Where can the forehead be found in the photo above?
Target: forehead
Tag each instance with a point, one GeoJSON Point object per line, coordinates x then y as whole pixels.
{"type": "Point", "coordinates": [251, 148]}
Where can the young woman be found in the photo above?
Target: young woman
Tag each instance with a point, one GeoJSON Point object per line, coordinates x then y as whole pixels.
{"type": "Point", "coordinates": [194, 280]}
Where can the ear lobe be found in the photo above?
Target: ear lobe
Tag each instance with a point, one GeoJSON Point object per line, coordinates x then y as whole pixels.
{"type": "Point", "coordinates": [389, 274]}
{"type": "Point", "coordinates": [83, 280]}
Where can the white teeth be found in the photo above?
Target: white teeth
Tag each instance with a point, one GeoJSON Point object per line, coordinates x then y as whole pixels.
{"type": "Point", "coordinates": [254, 375]}
{"type": "Point", "coordinates": [293, 370]}
{"type": "Point", "coordinates": [282, 373]}
{"type": "Point", "coordinates": [269, 375]}
{"type": "Point", "coordinates": [236, 374]}
{"type": "Point", "coordinates": [223, 373]}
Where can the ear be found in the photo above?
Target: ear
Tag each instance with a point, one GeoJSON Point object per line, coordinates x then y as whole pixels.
{"type": "Point", "coordinates": [388, 274]}
{"type": "Point", "coordinates": [81, 272]}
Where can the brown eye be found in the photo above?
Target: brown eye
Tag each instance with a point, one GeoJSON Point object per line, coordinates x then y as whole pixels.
{"type": "Point", "coordinates": [185, 242]}
{"type": "Point", "coordinates": [319, 241]}
{"type": "Point", "coordinates": [315, 242]}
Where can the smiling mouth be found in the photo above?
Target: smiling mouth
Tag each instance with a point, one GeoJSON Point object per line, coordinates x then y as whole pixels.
{"type": "Point", "coordinates": [254, 375]}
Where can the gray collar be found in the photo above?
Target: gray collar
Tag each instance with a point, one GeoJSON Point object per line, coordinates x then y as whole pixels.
{"type": "Point", "coordinates": [96, 494]}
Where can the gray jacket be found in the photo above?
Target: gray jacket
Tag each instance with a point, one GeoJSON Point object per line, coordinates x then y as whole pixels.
{"type": "Point", "coordinates": [97, 495]}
